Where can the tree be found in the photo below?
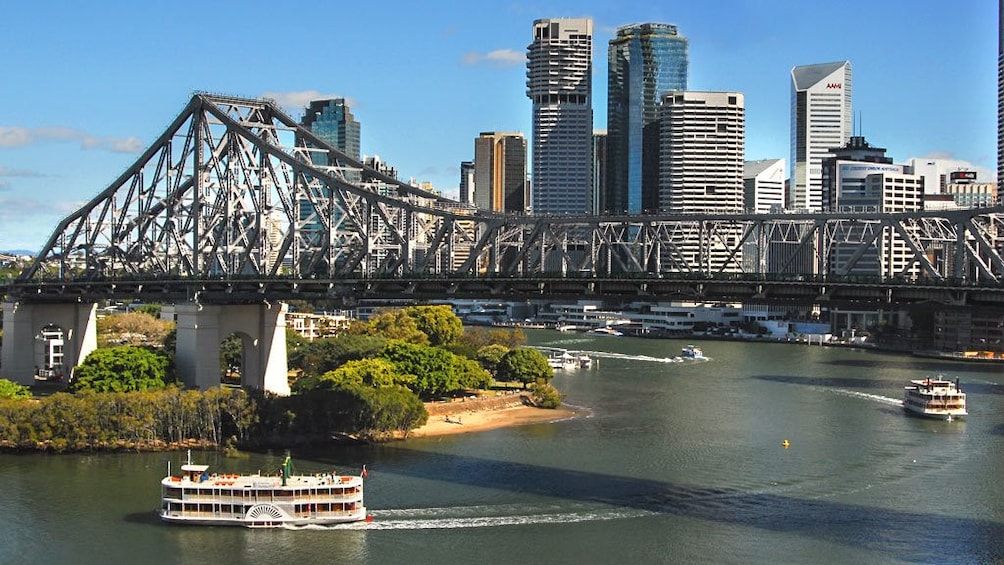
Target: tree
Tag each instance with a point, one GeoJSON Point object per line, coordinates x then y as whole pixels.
{"type": "Point", "coordinates": [434, 368]}
{"type": "Point", "coordinates": [374, 373]}
{"type": "Point", "coordinates": [477, 337]}
{"type": "Point", "coordinates": [133, 328]}
{"type": "Point", "coordinates": [470, 374]}
{"type": "Point", "coordinates": [396, 324]}
{"type": "Point", "coordinates": [545, 395]}
{"type": "Point", "coordinates": [439, 323]}
{"type": "Point", "coordinates": [322, 355]}
{"type": "Point", "coordinates": [526, 365]}
{"type": "Point", "coordinates": [122, 369]}
{"type": "Point", "coordinates": [491, 355]}
{"type": "Point", "coordinates": [10, 389]}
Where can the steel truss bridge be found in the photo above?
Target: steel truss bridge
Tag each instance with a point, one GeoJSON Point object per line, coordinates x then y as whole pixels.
{"type": "Point", "coordinates": [235, 202]}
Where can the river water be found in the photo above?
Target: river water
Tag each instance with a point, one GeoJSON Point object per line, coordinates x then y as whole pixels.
{"type": "Point", "coordinates": [672, 463]}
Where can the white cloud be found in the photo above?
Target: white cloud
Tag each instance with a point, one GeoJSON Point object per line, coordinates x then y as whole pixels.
{"type": "Point", "coordinates": [15, 136]}
{"type": "Point", "coordinates": [497, 58]}
{"type": "Point", "coordinates": [5, 172]}
{"type": "Point", "coordinates": [4, 185]}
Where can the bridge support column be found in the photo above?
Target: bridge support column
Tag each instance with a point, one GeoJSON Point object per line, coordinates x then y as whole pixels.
{"type": "Point", "coordinates": [261, 329]}
{"type": "Point", "coordinates": [23, 346]}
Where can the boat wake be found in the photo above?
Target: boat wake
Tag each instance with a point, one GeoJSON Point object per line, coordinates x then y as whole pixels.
{"type": "Point", "coordinates": [649, 358]}
{"type": "Point", "coordinates": [873, 397]}
{"type": "Point", "coordinates": [484, 517]}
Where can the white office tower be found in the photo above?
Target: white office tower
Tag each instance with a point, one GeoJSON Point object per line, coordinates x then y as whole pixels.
{"type": "Point", "coordinates": [820, 121]}
{"type": "Point", "coordinates": [763, 183]}
{"type": "Point", "coordinates": [702, 142]}
{"type": "Point", "coordinates": [559, 83]}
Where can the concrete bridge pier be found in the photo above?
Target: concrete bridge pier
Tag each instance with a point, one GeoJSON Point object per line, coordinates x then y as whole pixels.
{"type": "Point", "coordinates": [26, 348]}
{"type": "Point", "coordinates": [261, 329]}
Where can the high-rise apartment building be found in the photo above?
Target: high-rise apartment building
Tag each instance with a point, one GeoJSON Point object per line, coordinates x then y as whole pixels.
{"type": "Point", "coordinates": [559, 84]}
{"type": "Point", "coordinates": [820, 121]}
{"type": "Point", "coordinates": [500, 172]}
{"type": "Point", "coordinates": [702, 143]}
{"type": "Point", "coordinates": [644, 61]}
{"type": "Point", "coordinates": [332, 121]}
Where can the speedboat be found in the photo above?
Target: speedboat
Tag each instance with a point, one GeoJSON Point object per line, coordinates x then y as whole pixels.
{"type": "Point", "coordinates": [605, 330]}
{"type": "Point", "coordinates": [692, 352]}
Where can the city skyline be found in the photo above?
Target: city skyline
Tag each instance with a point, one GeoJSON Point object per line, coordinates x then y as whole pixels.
{"type": "Point", "coordinates": [102, 84]}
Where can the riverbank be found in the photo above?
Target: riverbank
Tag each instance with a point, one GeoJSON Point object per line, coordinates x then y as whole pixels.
{"type": "Point", "coordinates": [479, 416]}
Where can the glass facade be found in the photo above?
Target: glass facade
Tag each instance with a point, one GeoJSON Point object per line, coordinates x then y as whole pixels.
{"type": "Point", "coordinates": [332, 121]}
{"type": "Point", "coordinates": [644, 61]}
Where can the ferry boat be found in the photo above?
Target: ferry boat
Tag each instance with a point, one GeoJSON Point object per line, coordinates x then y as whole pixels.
{"type": "Point", "coordinates": [935, 398]}
{"type": "Point", "coordinates": [692, 352]}
{"type": "Point", "coordinates": [260, 501]}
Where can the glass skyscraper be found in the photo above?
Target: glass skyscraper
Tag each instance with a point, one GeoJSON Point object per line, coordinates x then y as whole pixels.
{"type": "Point", "coordinates": [644, 61]}
{"type": "Point", "coordinates": [332, 121]}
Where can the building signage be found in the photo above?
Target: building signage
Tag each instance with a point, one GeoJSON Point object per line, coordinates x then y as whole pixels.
{"type": "Point", "coordinates": [834, 85]}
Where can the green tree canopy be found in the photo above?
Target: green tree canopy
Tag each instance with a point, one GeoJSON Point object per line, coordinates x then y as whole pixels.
{"type": "Point", "coordinates": [490, 355]}
{"type": "Point", "coordinates": [374, 373]}
{"type": "Point", "coordinates": [439, 323]}
{"type": "Point", "coordinates": [317, 357]}
{"type": "Point", "coordinates": [397, 325]}
{"type": "Point", "coordinates": [545, 395]}
{"type": "Point", "coordinates": [10, 389]}
{"type": "Point", "coordinates": [122, 369]}
{"type": "Point", "coordinates": [434, 368]}
{"type": "Point", "coordinates": [526, 365]}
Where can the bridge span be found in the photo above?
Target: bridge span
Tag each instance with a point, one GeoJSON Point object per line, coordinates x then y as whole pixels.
{"type": "Point", "coordinates": [235, 204]}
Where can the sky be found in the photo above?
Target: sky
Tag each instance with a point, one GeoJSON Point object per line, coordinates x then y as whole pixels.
{"type": "Point", "coordinates": [86, 86]}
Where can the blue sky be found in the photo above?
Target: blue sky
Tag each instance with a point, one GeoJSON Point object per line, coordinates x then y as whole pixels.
{"type": "Point", "coordinates": [86, 86]}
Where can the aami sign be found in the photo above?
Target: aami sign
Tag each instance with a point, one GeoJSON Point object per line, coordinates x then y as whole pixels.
{"type": "Point", "coordinates": [834, 85]}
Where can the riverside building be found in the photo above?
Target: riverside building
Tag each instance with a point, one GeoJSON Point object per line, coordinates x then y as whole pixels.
{"type": "Point", "coordinates": [644, 61]}
{"type": "Point", "coordinates": [559, 84]}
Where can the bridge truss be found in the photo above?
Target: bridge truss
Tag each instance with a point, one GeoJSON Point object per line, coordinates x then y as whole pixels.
{"type": "Point", "coordinates": [236, 189]}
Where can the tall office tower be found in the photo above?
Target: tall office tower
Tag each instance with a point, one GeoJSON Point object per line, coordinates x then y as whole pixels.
{"type": "Point", "coordinates": [763, 186]}
{"type": "Point", "coordinates": [703, 139]}
{"type": "Point", "coordinates": [500, 172]}
{"type": "Point", "coordinates": [820, 121]}
{"type": "Point", "coordinates": [600, 163]}
{"type": "Point", "coordinates": [644, 60]}
{"type": "Point", "coordinates": [1000, 93]}
{"type": "Point", "coordinates": [859, 177]}
{"type": "Point", "coordinates": [702, 143]}
{"type": "Point", "coordinates": [559, 84]}
{"type": "Point", "coordinates": [467, 182]}
{"type": "Point", "coordinates": [332, 121]}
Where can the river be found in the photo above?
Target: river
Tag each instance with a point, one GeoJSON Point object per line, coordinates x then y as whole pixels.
{"type": "Point", "coordinates": [671, 463]}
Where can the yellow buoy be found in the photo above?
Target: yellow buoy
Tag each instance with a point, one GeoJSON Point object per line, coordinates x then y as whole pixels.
{"type": "Point", "coordinates": [786, 444]}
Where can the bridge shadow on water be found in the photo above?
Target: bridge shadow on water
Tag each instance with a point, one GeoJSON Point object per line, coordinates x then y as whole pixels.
{"type": "Point", "coordinates": [900, 535]}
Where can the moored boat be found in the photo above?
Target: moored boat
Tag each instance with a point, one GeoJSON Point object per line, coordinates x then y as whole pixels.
{"type": "Point", "coordinates": [260, 501]}
{"type": "Point", "coordinates": [935, 398]}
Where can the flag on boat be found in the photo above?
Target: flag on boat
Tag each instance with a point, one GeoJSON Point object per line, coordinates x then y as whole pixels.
{"type": "Point", "coordinates": [364, 474]}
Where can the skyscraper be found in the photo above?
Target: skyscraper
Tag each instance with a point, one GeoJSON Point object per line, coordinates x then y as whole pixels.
{"type": "Point", "coordinates": [332, 121]}
{"type": "Point", "coordinates": [1000, 93]}
{"type": "Point", "coordinates": [644, 61]}
{"type": "Point", "coordinates": [467, 182]}
{"type": "Point", "coordinates": [820, 121]}
{"type": "Point", "coordinates": [559, 84]}
{"type": "Point", "coordinates": [500, 172]}
{"type": "Point", "coordinates": [702, 143]}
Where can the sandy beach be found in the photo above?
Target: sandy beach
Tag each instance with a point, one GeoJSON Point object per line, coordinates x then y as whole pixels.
{"type": "Point", "coordinates": [466, 421]}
